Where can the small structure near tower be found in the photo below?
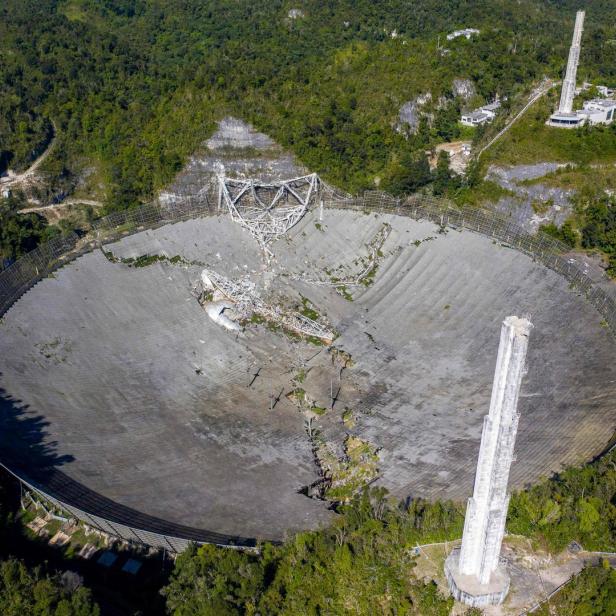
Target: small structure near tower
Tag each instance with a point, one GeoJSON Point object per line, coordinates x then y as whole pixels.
{"type": "Point", "coordinates": [474, 572]}
{"type": "Point", "coordinates": [466, 33]}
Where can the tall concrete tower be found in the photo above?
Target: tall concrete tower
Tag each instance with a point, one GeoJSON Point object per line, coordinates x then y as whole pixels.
{"type": "Point", "coordinates": [568, 91]}
{"type": "Point", "coordinates": [473, 572]}
{"type": "Point", "coordinates": [565, 117]}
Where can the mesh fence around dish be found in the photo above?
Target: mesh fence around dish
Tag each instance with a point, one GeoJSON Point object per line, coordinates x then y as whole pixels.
{"type": "Point", "coordinates": [548, 251]}
{"type": "Point", "coordinates": [22, 275]}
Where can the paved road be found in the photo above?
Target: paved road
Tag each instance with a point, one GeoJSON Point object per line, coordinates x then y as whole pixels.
{"type": "Point", "coordinates": [54, 206]}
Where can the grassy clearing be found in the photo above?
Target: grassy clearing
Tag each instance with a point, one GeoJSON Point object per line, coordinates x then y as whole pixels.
{"type": "Point", "coordinates": [485, 192]}
{"type": "Point", "coordinates": [586, 178]}
{"type": "Point", "coordinates": [467, 133]}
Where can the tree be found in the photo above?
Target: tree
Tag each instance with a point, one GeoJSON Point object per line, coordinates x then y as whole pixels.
{"type": "Point", "coordinates": [24, 591]}
{"type": "Point", "coordinates": [411, 173]}
{"type": "Point", "coordinates": [208, 581]}
{"type": "Point", "coordinates": [442, 175]}
{"type": "Point", "coordinates": [591, 593]}
{"type": "Point", "coordinates": [360, 565]}
{"type": "Point", "coordinates": [445, 125]}
{"type": "Point", "coordinates": [20, 233]}
{"type": "Point", "coordinates": [566, 233]}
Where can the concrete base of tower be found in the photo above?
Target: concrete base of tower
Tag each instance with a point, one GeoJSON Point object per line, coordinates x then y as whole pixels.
{"type": "Point", "coordinates": [467, 589]}
{"type": "Point", "coordinates": [561, 119]}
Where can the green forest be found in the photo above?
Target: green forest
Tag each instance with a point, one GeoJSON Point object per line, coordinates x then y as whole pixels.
{"type": "Point", "coordinates": [127, 89]}
{"type": "Point", "coordinates": [132, 87]}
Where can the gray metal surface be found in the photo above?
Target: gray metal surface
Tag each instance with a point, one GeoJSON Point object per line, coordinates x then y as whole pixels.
{"type": "Point", "coordinates": [114, 379]}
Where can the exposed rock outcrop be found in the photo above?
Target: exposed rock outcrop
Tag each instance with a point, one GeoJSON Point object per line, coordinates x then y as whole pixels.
{"type": "Point", "coordinates": [464, 88]}
{"type": "Point", "coordinates": [410, 113]}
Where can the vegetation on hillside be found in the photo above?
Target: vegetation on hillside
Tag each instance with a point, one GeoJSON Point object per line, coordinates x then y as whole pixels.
{"type": "Point", "coordinates": [362, 564]}
{"type": "Point", "coordinates": [28, 591]}
{"type": "Point", "coordinates": [133, 87]}
{"type": "Point", "coordinates": [592, 593]}
{"type": "Point", "coordinates": [592, 226]}
{"type": "Point", "coordinates": [578, 504]}
{"type": "Point", "coordinates": [20, 233]}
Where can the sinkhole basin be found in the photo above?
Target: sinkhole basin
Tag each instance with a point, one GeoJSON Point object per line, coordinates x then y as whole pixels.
{"type": "Point", "coordinates": [122, 398]}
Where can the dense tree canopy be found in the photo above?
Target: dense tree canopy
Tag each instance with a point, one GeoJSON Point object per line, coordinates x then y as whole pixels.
{"type": "Point", "coordinates": [24, 591]}
{"type": "Point", "coordinates": [133, 87]}
{"type": "Point", "coordinates": [599, 227]}
{"type": "Point", "coordinates": [362, 564]}
{"type": "Point", "coordinates": [20, 233]}
{"type": "Point", "coordinates": [576, 505]}
{"type": "Point", "coordinates": [592, 593]}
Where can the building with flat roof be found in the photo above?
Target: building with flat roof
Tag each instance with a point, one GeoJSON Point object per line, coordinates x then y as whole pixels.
{"type": "Point", "coordinates": [466, 32]}
{"type": "Point", "coordinates": [482, 115]}
{"type": "Point", "coordinates": [598, 111]}
{"type": "Point", "coordinates": [595, 111]}
{"type": "Point", "coordinates": [475, 118]}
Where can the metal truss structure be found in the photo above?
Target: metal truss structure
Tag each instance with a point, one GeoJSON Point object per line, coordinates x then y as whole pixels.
{"type": "Point", "coordinates": [267, 210]}
{"type": "Point", "coordinates": [247, 303]}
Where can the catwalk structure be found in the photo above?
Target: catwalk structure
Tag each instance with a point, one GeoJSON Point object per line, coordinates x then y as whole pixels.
{"type": "Point", "coordinates": [474, 574]}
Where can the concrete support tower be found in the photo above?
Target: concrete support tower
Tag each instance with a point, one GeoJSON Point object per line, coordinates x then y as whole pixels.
{"type": "Point", "coordinates": [565, 117]}
{"type": "Point", "coordinates": [568, 91]}
{"type": "Point", "coordinates": [473, 572]}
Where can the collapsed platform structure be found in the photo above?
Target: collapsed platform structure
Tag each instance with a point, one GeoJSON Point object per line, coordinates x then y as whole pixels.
{"type": "Point", "coordinates": [241, 298]}
{"type": "Point", "coordinates": [267, 210]}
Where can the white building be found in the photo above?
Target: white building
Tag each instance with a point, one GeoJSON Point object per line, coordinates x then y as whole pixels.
{"type": "Point", "coordinates": [475, 118]}
{"type": "Point", "coordinates": [595, 111]}
{"type": "Point", "coordinates": [605, 91]}
{"type": "Point", "coordinates": [482, 115]}
{"type": "Point", "coordinates": [598, 111]}
{"type": "Point", "coordinates": [467, 32]}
